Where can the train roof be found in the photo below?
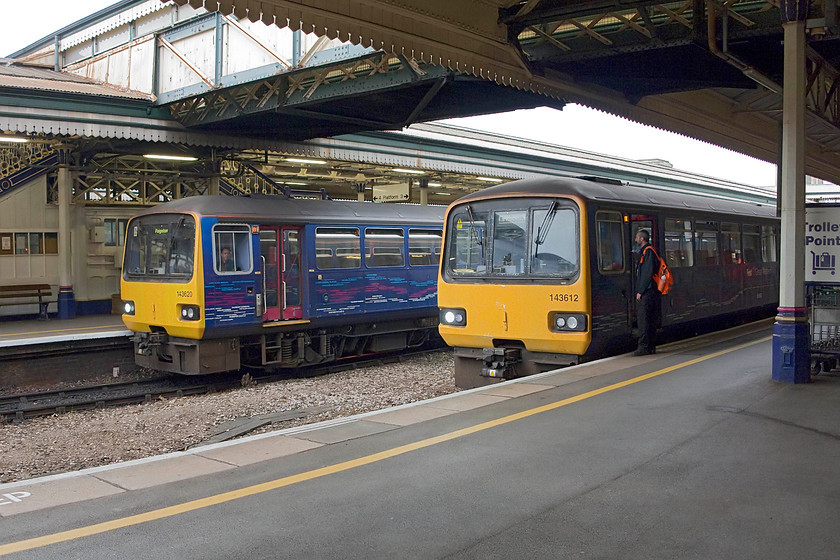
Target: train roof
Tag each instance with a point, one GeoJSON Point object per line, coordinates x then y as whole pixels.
{"type": "Point", "coordinates": [268, 208]}
{"type": "Point", "coordinates": [608, 190]}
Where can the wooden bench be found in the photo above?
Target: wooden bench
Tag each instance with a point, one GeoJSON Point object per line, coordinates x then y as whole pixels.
{"type": "Point", "coordinates": [18, 294]}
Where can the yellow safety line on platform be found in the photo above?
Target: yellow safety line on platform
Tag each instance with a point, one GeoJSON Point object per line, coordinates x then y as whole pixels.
{"type": "Point", "coordinates": [193, 505]}
{"type": "Point", "coordinates": [64, 330]}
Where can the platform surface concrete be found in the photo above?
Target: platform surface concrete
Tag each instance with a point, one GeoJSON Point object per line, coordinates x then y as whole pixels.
{"type": "Point", "coordinates": [693, 452]}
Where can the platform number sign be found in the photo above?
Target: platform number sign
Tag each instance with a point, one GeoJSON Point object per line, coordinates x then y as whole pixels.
{"type": "Point", "coordinates": [822, 244]}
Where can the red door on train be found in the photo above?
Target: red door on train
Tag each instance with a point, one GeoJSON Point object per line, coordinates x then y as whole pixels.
{"type": "Point", "coordinates": [280, 252]}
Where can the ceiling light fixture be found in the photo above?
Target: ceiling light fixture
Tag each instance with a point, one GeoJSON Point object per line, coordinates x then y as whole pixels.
{"type": "Point", "coordinates": [312, 161]}
{"type": "Point", "coordinates": [412, 171]}
{"type": "Point", "coordinates": [489, 179]}
{"type": "Point", "coordinates": [170, 158]}
{"type": "Point", "coordinates": [13, 139]}
{"type": "Point", "coordinates": [435, 185]}
{"type": "Point", "coordinates": [443, 193]}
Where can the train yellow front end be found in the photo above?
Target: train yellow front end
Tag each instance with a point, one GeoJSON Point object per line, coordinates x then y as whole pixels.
{"type": "Point", "coordinates": [514, 285]}
{"type": "Point", "coordinates": [162, 290]}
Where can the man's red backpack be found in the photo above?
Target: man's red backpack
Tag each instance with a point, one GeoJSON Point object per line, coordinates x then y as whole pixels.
{"type": "Point", "coordinates": [662, 277]}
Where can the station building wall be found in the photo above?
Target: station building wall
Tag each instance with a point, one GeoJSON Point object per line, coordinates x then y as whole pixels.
{"type": "Point", "coordinates": [29, 249]}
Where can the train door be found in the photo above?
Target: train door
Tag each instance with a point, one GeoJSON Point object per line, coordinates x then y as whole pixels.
{"type": "Point", "coordinates": [290, 273]}
{"type": "Point", "coordinates": [280, 253]}
{"type": "Point", "coordinates": [611, 285]}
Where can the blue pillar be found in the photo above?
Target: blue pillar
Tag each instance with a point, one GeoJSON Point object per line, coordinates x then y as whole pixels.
{"type": "Point", "coordinates": [791, 338]}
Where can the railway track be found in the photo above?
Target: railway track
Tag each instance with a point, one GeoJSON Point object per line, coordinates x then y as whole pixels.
{"type": "Point", "coordinates": [21, 407]}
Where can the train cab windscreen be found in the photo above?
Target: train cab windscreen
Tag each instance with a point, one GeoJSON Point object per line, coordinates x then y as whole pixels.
{"type": "Point", "coordinates": [160, 246]}
{"type": "Point", "coordinates": [514, 238]}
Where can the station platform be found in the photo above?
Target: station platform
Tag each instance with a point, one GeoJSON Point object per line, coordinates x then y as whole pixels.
{"type": "Point", "coordinates": [693, 452]}
{"type": "Point", "coordinates": [27, 332]}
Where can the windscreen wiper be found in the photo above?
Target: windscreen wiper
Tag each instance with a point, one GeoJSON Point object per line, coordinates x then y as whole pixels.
{"type": "Point", "coordinates": [542, 231]}
{"type": "Point", "coordinates": [472, 226]}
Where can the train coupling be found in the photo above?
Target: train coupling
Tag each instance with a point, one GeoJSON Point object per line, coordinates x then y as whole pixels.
{"type": "Point", "coordinates": [498, 362]}
{"type": "Point", "coordinates": [146, 344]}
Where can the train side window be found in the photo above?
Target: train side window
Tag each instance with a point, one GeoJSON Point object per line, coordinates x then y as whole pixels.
{"type": "Point", "coordinates": [232, 248]}
{"type": "Point", "coordinates": [384, 247]}
{"type": "Point", "coordinates": [324, 257]}
{"type": "Point", "coordinates": [678, 243]}
{"type": "Point", "coordinates": [751, 240]}
{"type": "Point", "coordinates": [345, 243]}
{"type": "Point", "coordinates": [706, 243]}
{"type": "Point", "coordinates": [730, 243]}
{"type": "Point", "coordinates": [424, 246]}
{"type": "Point", "coordinates": [610, 241]}
{"type": "Point", "coordinates": [769, 244]}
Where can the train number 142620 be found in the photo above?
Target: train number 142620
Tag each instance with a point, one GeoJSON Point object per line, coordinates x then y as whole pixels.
{"type": "Point", "coordinates": [563, 297]}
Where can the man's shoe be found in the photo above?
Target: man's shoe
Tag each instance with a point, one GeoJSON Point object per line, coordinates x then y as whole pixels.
{"type": "Point", "coordinates": [640, 352]}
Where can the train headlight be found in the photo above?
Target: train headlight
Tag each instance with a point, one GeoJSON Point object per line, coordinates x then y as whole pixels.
{"type": "Point", "coordinates": [128, 307]}
{"type": "Point", "coordinates": [453, 317]}
{"type": "Point", "coordinates": [564, 322]}
{"type": "Point", "coordinates": [190, 313]}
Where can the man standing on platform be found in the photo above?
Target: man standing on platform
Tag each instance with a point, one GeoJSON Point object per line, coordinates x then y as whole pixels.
{"type": "Point", "coordinates": [647, 295]}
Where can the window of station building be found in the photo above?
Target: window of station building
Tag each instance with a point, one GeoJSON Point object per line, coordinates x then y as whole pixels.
{"type": "Point", "coordinates": [232, 248]}
{"type": "Point", "coordinates": [51, 243]}
{"type": "Point", "coordinates": [769, 244]}
{"type": "Point", "coordinates": [679, 240]}
{"type": "Point", "coordinates": [115, 231]}
{"type": "Point", "coordinates": [706, 251]}
{"type": "Point", "coordinates": [31, 243]}
{"type": "Point", "coordinates": [610, 241]}
{"type": "Point", "coordinates": [730, 243]}
{"type": "Point", "coordinates": [424, 246]}
{"type": "Point", "coordinates": [384, 247]}
{"type": "Point", "coordinates": [338, 248]}
{"type": "Point", "coordinates": [751, 240]}
{"type": "Point", "coordinates": [7, 246]}
{"type": "Point", "coordinates": [21, 243]}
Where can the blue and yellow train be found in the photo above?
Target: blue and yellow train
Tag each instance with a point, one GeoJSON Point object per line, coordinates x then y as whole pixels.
{"type": "Point", "coordinates": [539, 273]}
{"type": "Point", "coordinates": [211, 283]}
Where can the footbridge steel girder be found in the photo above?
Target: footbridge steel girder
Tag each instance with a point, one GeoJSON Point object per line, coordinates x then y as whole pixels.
{"type": "Point", "coordinates": [300, 90]}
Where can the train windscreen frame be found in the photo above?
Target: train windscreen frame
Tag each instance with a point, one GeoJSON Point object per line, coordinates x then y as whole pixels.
{"type": "Point", "coordinates": [160, 248]}
{"type": "Point", "coordinates": [514, 239]}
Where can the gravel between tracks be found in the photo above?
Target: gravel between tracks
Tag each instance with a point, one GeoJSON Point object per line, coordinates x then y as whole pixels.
{"type": "Point", "coordinates": [78, 440]}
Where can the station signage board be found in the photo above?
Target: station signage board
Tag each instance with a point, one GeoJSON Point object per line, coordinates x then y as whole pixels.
{"type": "Point", "coordinates": [822, 243]}
{"type": "Point", "coordinates": [394, 192]}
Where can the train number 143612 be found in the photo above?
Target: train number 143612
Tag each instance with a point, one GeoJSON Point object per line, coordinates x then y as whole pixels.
{"type": "Point", "coordinates": [563, 297]}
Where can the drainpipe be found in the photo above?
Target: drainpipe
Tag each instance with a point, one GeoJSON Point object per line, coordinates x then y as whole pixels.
{"type": "Point", "coordinates": [748, 71]}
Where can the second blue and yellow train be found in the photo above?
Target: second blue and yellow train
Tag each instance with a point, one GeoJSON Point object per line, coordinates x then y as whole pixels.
{"type": "Point", "coordinates": [539, 273]}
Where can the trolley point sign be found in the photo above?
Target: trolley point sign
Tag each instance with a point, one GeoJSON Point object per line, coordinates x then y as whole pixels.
{"type": "Point", "coordinates": [822, 243]}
